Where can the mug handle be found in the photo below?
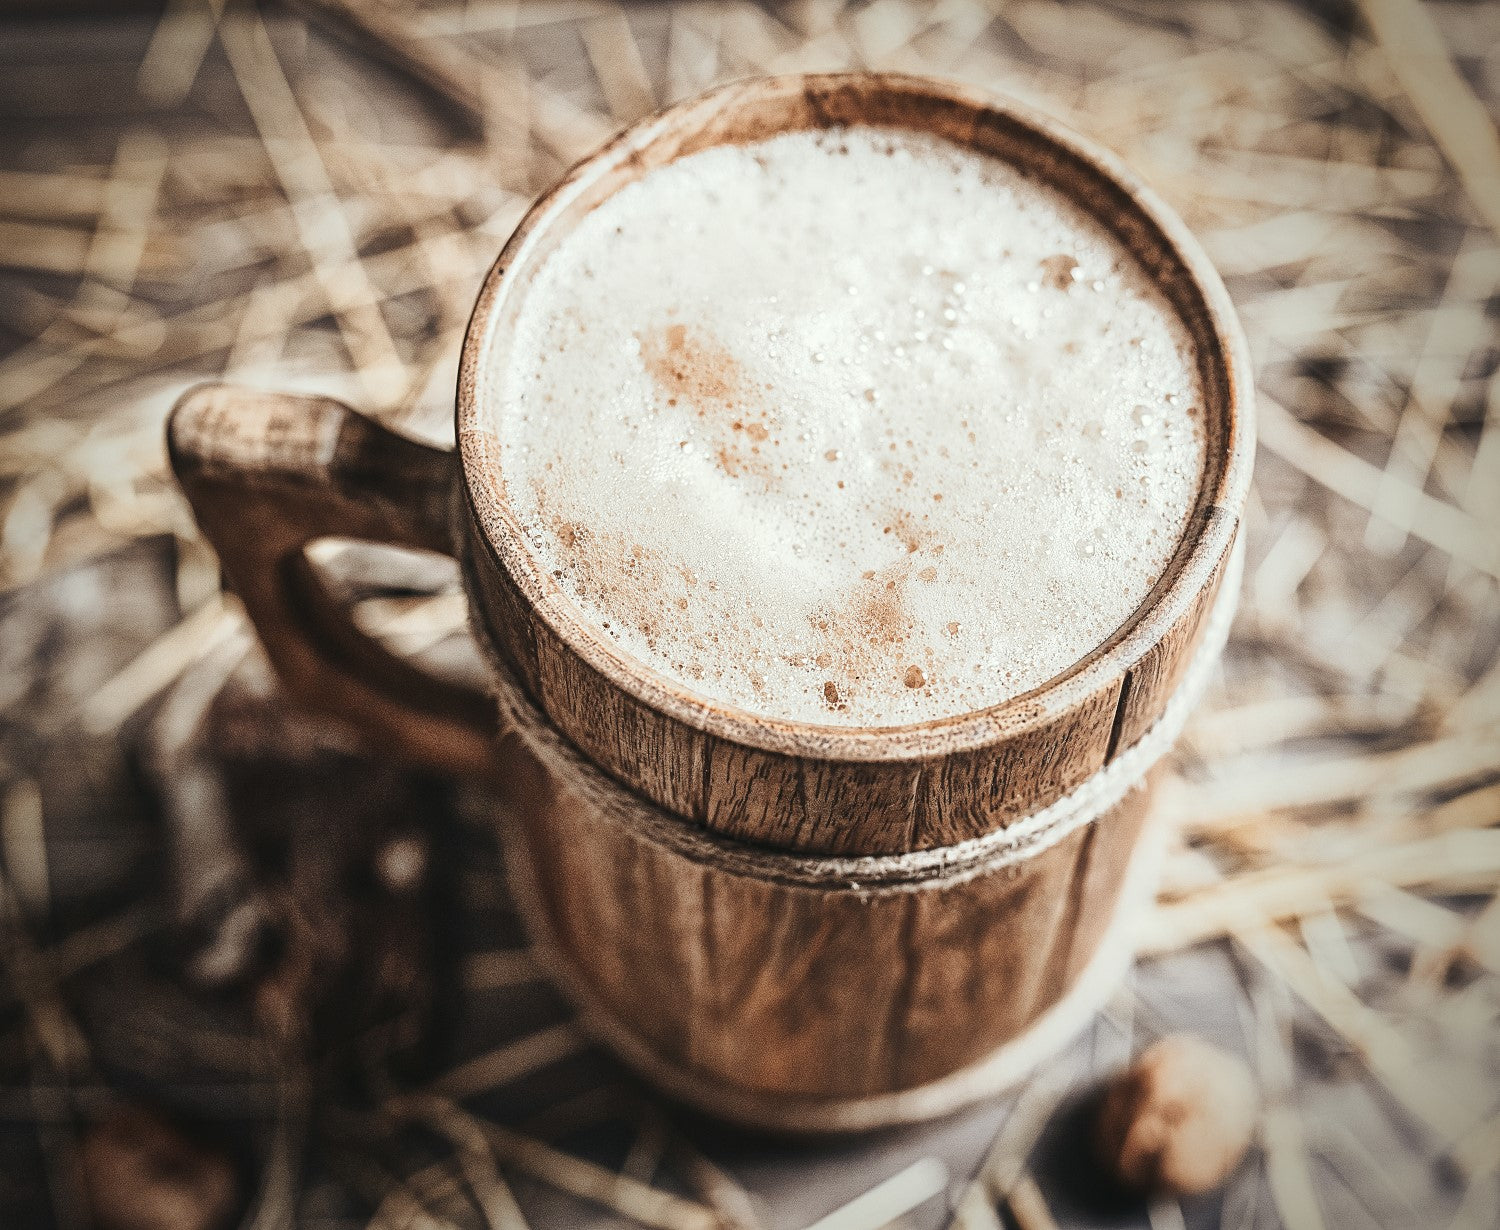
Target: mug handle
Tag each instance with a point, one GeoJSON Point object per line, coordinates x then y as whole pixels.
{"type": "Point", "coordinates": [268, 473]}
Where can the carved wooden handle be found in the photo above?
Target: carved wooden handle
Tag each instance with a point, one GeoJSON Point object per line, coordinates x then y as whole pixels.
{"type": "Point", "coordinates": [267, 473]}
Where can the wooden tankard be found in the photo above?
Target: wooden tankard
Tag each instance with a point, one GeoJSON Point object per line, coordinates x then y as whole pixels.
{"type": "Point", "coordinates": [796, 926]}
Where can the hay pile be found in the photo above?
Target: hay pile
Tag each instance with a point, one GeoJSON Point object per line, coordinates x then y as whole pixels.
{"type": "Point", "coordinates": [306, 197]}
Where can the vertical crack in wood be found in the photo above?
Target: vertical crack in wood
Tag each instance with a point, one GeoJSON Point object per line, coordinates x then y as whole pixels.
{"type": "Point", "coordinates": [700, 805]}
{"type": "Point", "coordinates": [915, 837]}
{"type": "Point", "coordinates": [1121, 701]}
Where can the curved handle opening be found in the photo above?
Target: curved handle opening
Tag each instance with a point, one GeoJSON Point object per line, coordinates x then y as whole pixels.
{"type": "Point", "coordinates": [268, 474]}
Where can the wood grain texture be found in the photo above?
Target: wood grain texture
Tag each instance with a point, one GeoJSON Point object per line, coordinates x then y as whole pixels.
{"type": "Point", "coordinates": [785, 978]}
{"type": "Point", "coordinates": [823, 789]}
{"type": "Point", "coordinates": [268, 473]}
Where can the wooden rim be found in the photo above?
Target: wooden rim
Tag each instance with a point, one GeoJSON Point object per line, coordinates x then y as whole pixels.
{"type": "Point", "coordinates": [1040, 146]}
{"type": "Point", "coordinates": [881, 99]}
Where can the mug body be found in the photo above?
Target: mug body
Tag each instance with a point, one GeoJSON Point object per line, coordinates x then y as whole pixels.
{"type": "Point", "coordinates": [809, 995]}
{"type": "Point", "coordinates": [813, 928]}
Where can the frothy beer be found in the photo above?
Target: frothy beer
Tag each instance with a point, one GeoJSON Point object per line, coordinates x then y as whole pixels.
{"type": "Point", "coordinates": [850, 427]}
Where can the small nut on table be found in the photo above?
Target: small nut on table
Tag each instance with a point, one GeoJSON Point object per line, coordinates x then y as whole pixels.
{"type": "Point", "coordinates": [1179, 1119]}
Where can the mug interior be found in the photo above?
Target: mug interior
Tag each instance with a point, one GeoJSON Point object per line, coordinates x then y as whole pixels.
{"type": "Point", "coordinates": [754, 111]}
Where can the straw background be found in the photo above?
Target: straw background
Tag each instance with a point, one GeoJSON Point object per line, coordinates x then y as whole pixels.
{"type": "Point", "coordinates": [219, 913]}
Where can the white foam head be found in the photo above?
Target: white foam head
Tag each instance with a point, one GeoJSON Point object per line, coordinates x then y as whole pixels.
{"type": "Point", "coordinates": [853, 427]}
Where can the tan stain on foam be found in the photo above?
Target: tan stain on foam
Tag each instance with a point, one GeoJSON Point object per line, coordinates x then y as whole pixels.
{"type": "Point", "coordinates": [1060, 272]}
{"type": "Point", "coordinates": [691, 368]}
{"type": "Point", "coordinates": [606, 567]}
{"type": "Point", "coordinates": [877, 609]}
{"type": "Point", "coordinates": [690, 365]}
{"type": "Point", "coordinates": [908, 531]}
{"type": "Point", "coordinates": [644, 590]}
{"type": "Point", "coordinates": [871, 634]}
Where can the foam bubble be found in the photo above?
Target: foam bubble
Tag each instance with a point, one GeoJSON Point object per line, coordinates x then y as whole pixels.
{"type": "Point", "coordinates": [852, 428]}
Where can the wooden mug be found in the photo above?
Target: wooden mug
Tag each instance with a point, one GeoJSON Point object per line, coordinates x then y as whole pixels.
{"type": "Point", "coordinates": [791, 925]}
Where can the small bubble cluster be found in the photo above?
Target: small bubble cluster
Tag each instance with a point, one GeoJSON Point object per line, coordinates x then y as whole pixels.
{"type": "Point", "coordinates": [852, 428]}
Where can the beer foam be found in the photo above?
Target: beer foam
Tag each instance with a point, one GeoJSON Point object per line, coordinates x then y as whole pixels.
{"type": "Point", "coordinates": [853, 427]}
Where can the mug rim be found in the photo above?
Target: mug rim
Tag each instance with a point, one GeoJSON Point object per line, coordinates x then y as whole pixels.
{"type": "Point", "coordinates": [1202, 547]}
